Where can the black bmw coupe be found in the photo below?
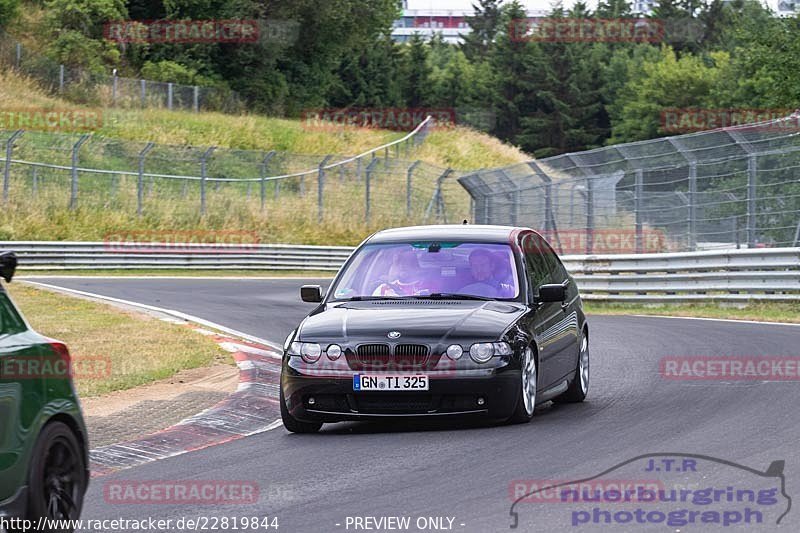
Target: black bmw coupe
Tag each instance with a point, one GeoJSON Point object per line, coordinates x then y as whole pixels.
{"type": "Point", "coordinates": [433, 321]}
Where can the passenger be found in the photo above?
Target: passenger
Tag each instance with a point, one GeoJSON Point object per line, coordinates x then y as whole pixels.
{"type": "Point", "coordinates": [403, 278]}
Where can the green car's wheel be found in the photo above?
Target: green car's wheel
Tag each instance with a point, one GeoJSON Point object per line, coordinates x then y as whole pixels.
{"type": "Point", "coordinates": [57, 476]}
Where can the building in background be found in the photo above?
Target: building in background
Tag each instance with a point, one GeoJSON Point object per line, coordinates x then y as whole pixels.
{"type": "Point", "coordinates": [446, 17]}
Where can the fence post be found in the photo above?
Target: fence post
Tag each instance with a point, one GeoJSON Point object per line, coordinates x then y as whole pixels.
{"type": "Point", "coordinates": [692, 206]}
{"type": "Point", "coordinates": [752, 168]}
{"type": "Point", "coordinates": [638, 190]}
{"type": "Point", "coordinates": [114, 88]}
{"type": "Point", "coordinates": [73, 199]}
{"type": "Point", "coordinates": [437, 199]}
{"type": "Point", "coordinates": [409, 174]}
{"type": "Point", "coordinates": [549, 216]}
{"type": "Point", "coordinates": [321, 186]}
{"type": "Point", "coordinates": [589, 215]}
{"type": "Point", "coordinates": [203, 172]}
{"type": "Point", "coordinates": [169, 96]}
{"type": "Point", "coordinates": [61, 78]}
{"type": "Point", "coordinates": [19, 54]}
{"type": "Point", "coordinates": [143, 84]}
{"type": "Point", "coordinates": [7, 168]}
{"type": "Point", "coordinates": [370, 167]}
{"type": "Point", "coordinates": [140, 180]}
{"type": "Point", "coordinates": [264, 166]}
{"type": "Point", "coordinates": [196, 99]}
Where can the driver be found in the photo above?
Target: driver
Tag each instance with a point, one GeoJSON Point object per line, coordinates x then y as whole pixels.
{"type": "Point", "coordinates": [483, 265]}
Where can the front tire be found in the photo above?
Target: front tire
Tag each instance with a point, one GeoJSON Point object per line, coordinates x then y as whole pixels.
{"type": "Point", "coordinates": [57, 476]}
{"type": "Point", "coordinates": [579, 387]}
{"type": "Point", "coordinates": [526, 401]}
{"type": "Point", "coordinates": [294, 425]}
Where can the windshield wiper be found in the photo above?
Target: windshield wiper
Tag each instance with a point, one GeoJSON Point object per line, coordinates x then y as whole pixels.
{"type": "Point", "coordinates": [453, 296]}
{"type": "Point", "coordinates": [367, 298]}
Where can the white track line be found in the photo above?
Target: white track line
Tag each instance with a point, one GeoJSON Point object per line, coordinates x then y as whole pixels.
{"type": "Point", "coordinates": [170, 312]}
{"type": "Point", "coordinates": [735, 321]}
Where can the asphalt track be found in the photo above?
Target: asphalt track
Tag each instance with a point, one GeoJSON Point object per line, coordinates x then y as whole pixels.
{"type": "Point", "coordinates": [314, 482]}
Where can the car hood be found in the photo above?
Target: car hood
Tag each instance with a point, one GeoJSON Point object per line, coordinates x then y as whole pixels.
{"type": "Point", "coordinates": [415, 320]}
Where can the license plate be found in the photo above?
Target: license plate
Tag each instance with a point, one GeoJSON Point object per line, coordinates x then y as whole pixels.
{"type": "Point", "coordinates": [374, 382]}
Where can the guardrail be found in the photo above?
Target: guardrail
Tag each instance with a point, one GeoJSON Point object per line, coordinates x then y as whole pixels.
{"type": "Point", "coordinates": [718, 276]}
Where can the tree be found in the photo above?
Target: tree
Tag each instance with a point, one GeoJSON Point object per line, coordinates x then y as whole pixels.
{"type": "Point", "coordinates": [483, 29]}
{"type": "Point", "coordinates": [418, 72]}
{"type": "Point", "coordinates": [671, 82]}
{"type": "Point", "coordinates": [76, 27]}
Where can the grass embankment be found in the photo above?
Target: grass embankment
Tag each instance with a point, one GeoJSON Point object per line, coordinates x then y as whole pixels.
{"type": "Point", "coordinates": [107, 204]}
{"type": "Point", "coordinates": [137, 349]}
{"type": "Point", "coordinates": [766, 312]}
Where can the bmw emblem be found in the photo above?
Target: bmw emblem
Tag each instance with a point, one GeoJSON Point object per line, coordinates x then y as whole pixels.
{"type": "Point", "coordinates": [393, 334]}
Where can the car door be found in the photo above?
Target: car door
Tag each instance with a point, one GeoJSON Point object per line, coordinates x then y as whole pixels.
{"type": "Point", "coordinates": [543, 321]}
{"type": "Point", "coordinates": [566, 332]}
{"type": "Point", "coordinates": [21, 395]}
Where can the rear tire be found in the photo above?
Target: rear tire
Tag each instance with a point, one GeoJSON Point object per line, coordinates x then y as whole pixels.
{"type": "Point", "coordinates": [57, 476]}
{"type": "Point", "coordinates": [579, 387]}
{"type": "Point", "coordinates": [526, 401]}
{"type": "Point", "coordinates": [294, 425]}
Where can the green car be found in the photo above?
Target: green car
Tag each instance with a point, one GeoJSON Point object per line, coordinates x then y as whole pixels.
{"type": "Point", "coordinates": [43, 441]}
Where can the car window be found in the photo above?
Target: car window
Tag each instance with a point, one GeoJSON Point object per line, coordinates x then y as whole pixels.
{"type": "Point", "coordinates": [10, 321]}
{"type": "Point", "coordinates": [539, 269]}
{"type": "Point", "coordinates": [408, 269]}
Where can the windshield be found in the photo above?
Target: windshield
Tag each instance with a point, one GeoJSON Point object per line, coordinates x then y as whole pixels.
{"type": "Point", "coordinates": [418, 269]}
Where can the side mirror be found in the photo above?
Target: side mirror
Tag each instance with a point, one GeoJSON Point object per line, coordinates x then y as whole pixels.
{"type": "Point", "coordinates": [311, 293]}
{"type": "Point", "coordinates": [554, 292]}
{"type": "Point", "coordinates": [8, 265]}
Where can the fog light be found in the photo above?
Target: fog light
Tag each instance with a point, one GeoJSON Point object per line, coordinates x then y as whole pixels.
{"type": "Point", "coordinates": [334, 351]}
{"type": "Point", "coordinates": [311, 401]}
{"type": "Point", "coordinates": [481, 401]}
{"type": "Point", "coordinates": [454, 351]}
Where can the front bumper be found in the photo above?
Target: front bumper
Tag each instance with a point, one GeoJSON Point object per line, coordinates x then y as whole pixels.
{"type": "Point", "coordinates": [456, 394]}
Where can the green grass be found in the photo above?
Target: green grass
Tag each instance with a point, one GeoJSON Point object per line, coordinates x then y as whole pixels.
{"type": "Point", "coordinates": [37, 209]}
{"type": "Point", "coordinates": [138, 349]}
{"type": "Point", "coordinates": [766, 312]}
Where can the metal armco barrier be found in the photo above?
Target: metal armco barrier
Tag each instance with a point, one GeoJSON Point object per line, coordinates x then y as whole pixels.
{"type": "Point", "coordinates": [770, 274]}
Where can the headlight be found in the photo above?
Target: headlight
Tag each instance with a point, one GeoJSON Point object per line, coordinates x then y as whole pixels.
{"type": "Point", "coordinates": [334, 351]}
{"type": "Point", "coordinates": [482, 352]}
{"type": "Point", "coordinates": [454, 351]}
{"type": "Point", "coordinates": [309, 351]}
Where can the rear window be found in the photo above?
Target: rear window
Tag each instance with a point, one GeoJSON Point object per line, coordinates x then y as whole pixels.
{"type": "Point", "coordinates": [396, 270]}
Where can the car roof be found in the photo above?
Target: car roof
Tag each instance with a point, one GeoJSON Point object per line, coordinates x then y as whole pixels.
{"type": "Point", "coordinates": [441, 232]}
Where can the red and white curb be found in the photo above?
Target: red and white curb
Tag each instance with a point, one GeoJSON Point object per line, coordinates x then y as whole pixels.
{"type": "Point", "coordinates": [252, 409]}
